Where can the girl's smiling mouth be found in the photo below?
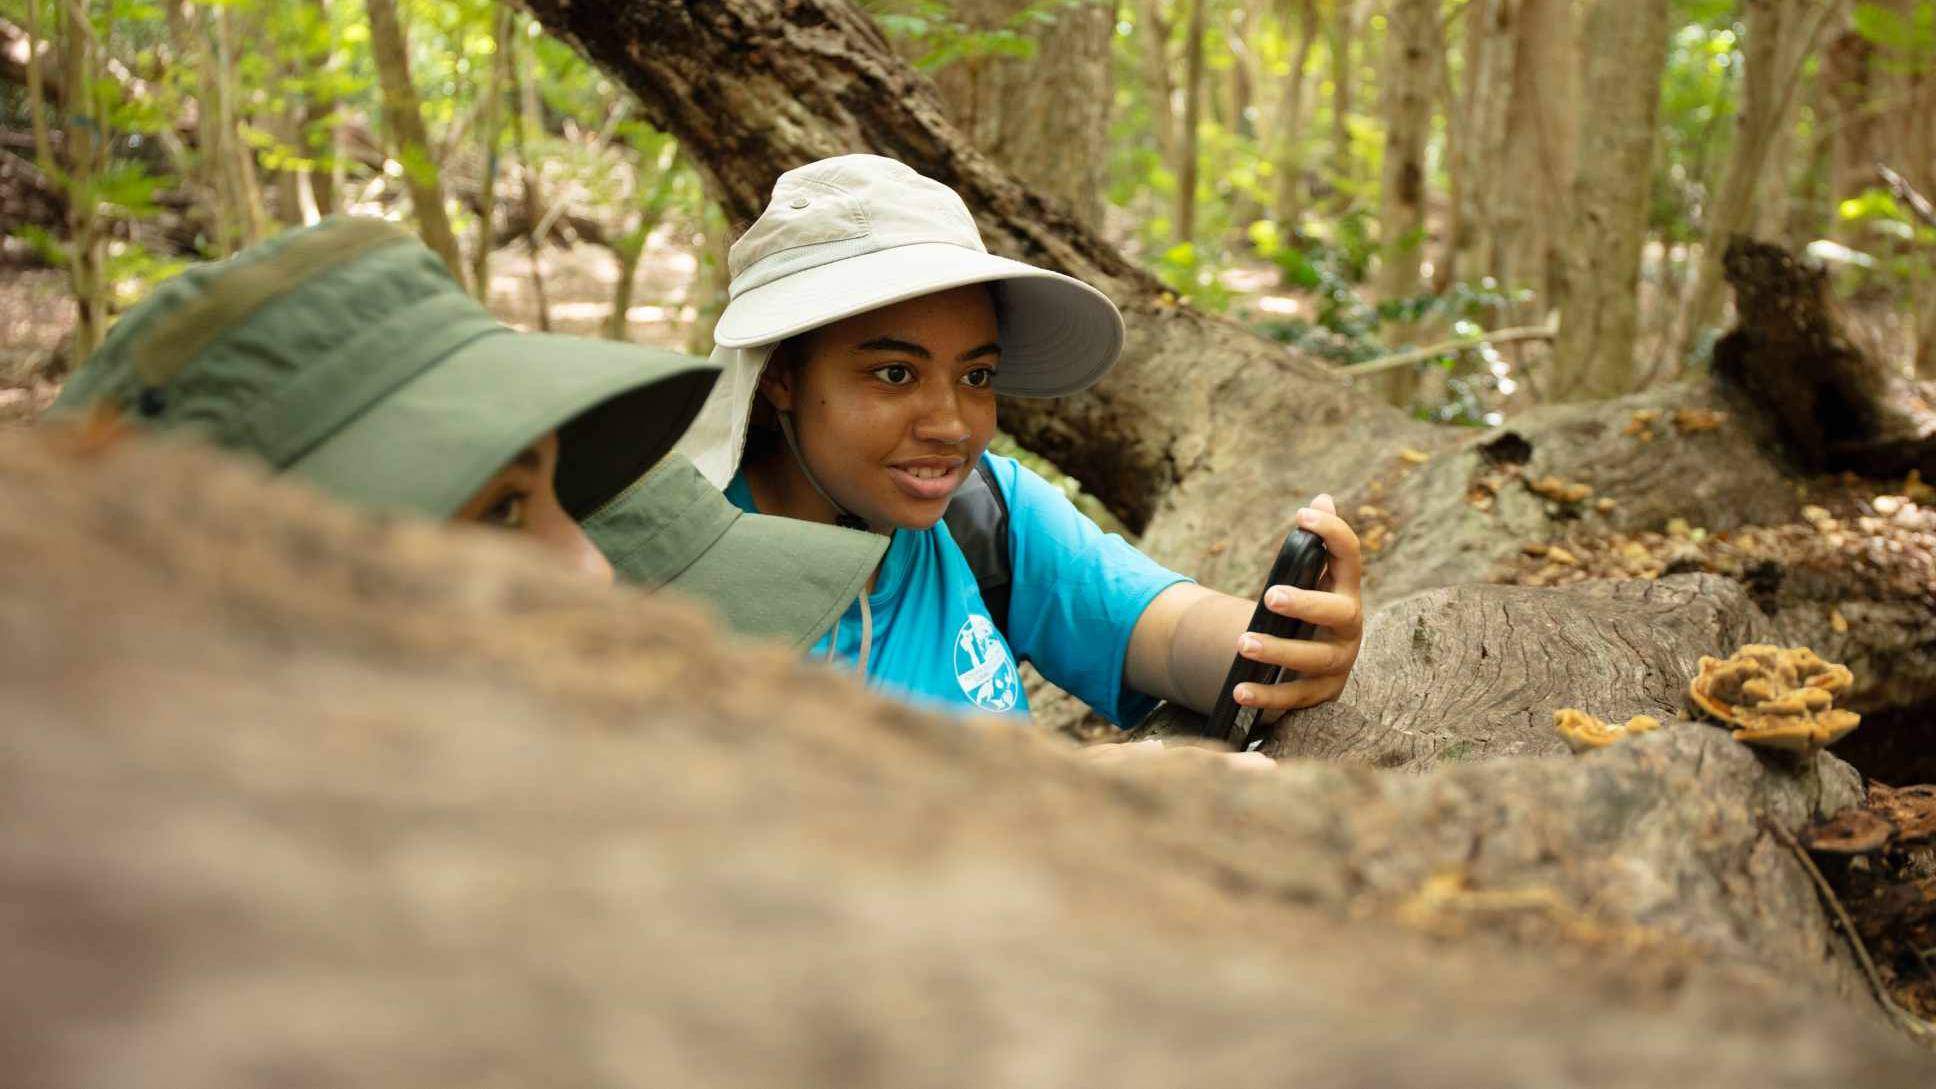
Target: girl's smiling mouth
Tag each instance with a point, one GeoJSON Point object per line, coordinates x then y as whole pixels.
{"type": "Point", "coordinates": [927, 479]}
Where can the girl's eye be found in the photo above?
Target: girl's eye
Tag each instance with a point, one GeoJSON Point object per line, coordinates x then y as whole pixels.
{"type": "Point", "coordinates": [506, 513]}
{"type": "Point", "coordinates": [895, 374]}
{"type": "Point", "coordinates": [979, 378]}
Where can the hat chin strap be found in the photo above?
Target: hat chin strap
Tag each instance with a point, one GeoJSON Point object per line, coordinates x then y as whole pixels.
{"type": "Point", "coordinates": [843, 517]}
{"type": "Point", "coordinates": [846, 520]}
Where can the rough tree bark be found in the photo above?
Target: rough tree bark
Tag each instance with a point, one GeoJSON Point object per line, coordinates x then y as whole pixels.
{"type": "Point", "coordinates": [1045, 119]}
{"type": "Point", "coordinates": [429, 851]}
{"type": "Point", "coordinates": [1607, 216]}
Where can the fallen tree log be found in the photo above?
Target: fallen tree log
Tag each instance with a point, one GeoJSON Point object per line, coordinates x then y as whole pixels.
{"type": "Point", "coordinates": [292, 791]}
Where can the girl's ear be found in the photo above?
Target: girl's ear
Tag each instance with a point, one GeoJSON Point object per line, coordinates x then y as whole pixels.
{"type": "Point", "coordinates": [776, 384]}
{"type": "Point", "coordinates": [776, 381]}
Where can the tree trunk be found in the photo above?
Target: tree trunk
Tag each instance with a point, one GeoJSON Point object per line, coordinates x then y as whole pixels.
{"type": "Point", "coordinates": [706, 293]}
{"type": "Point", "coordinates": [1779, 36]}
{"type": "Point", "coordinates": [1846, 74]}
{"type": "Point", "coordinates": [1046, 118]}
{"type": "Point", "coordinates": [319, 109]}
{"type": "Point", "coordinates": [1288, 161]}
{"type": "Point", "coordinates": [1608, 219]}
{"type": "Point", "coordinates": [1478, 182]}
{"type": "Point", "coordinates": [37, 90]}
{"type": "Point", "coordinates": [391, 51]}
{"type": "Point", "coordinates": [1185, 225]}
{"type": "Point", "coordinates": [1413, 53]}
{"type": "Point", "coordinates": [528, 116]}
{"type": "Point", "coordinates": [288, 181]}
{"type": "Point", "coordinates": [1342, 33]}
{"type": "Point", "coordinates": [83, 155]}
{"type": "Point", "coordinates": [1543, 118]}
{"type": "Point", "coordinates": [238, 162]}
{"type": "Point", "coordinates": [491, 129]}
{"type": "Point", "coordinates": [1154, 32]}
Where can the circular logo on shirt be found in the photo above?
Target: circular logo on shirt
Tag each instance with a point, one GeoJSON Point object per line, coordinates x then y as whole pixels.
{"type": "Point", "coordinates": [983, 667]}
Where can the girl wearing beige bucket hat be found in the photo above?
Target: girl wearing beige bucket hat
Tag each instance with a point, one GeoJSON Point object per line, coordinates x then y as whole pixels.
{"type": "Point", "coordinates": [867, 334]}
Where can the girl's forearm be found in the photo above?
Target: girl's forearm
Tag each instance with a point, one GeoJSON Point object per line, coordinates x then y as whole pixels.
{"type": "Point", "coordinates": [1182, 648]}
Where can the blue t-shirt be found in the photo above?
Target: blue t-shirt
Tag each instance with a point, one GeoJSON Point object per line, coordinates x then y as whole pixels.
{"type": "Point", "coordinates": [1075, 596]}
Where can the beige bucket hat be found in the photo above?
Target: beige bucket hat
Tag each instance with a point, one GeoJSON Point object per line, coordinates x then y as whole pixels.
{"type": "Point", "coordinates": [854, 233]}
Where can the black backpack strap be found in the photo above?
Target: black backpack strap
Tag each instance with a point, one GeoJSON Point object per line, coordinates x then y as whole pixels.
{"type": "Point", "coordinates": [977, 518]}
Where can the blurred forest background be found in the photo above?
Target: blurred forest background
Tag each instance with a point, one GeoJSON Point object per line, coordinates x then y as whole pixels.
{"type": "Point", "coordinates": [1477, 205]}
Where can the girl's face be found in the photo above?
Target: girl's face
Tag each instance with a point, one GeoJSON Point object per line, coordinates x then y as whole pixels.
{"type": "Point", "coordinates": [892, 408]}
{"type": "Point", "coordinates": [521, 498]}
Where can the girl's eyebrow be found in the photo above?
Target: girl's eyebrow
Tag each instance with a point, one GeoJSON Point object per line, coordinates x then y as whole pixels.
{"type": "Point", "coordinates": [993, 348]}
{"type": "Point", "coordinates": [889, 344]}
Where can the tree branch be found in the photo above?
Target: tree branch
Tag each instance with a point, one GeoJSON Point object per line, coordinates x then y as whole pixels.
{"type": "Point", "coordinates": [1457, 344]}
{"type": "Point", "coordinates": [1907, 194]}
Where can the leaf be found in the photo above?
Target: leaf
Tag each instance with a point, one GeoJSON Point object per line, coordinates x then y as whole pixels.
{"type": "Point", "coordinates": [1884, 27]}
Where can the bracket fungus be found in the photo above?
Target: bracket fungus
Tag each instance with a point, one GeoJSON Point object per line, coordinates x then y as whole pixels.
{"type": "Point", "coordinates": [1584, 731]}
{"type": "Point", "coordinates": [1775, 697]}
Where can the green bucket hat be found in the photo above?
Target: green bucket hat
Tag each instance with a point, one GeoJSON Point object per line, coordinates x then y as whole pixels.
{"type": "Point", "coordinates": [346, 354]}
{"type": "Point", "coordinates": [772, 578]}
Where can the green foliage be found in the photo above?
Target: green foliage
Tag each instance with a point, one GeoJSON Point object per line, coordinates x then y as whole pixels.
{"type": "Point", "coordinates": [1349, 328]}
{"type": "Point", "coordinates": [1699, 98]}
{"type": "Point", "coordinates": [1907, 39]}
{"type": "Point", "coordinates": [938, 38]}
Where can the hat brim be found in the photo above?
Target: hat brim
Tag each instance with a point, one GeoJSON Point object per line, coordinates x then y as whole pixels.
{"type": "Point", "coordinates": [768, 577]}
{"type": "Point", "coordinates": [783, 578]}
{"type": "Point", "coordinates": [1059, 335]}
{"type": "Point", "coordinates": [430, 444]}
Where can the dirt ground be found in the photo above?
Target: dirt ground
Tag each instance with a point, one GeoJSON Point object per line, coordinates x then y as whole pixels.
{"type": "Point", "coordinates": [35, 314]}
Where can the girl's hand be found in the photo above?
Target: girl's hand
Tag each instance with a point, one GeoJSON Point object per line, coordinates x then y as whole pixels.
{"type": "Point", "coordinates": [1324, 661]}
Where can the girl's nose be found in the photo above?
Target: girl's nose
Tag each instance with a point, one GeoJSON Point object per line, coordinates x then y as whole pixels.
{"type": "Point", "coordinates": [587, 559]}
{"type": "Point", "coordinates": [943, 421]}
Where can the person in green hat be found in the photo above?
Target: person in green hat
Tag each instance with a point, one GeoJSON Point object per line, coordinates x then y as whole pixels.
{"type": "Point", "coordinates": [345, 354]}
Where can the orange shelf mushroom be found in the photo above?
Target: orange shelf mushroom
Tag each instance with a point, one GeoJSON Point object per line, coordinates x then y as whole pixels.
{"type": "Point", "coordinates": [1584, 731]}
{"type": "Point", "coordinates": [1775, 697]}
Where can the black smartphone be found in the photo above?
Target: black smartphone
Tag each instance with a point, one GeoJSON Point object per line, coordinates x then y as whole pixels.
{"type": "Point", "coordinates": [1300, 563]}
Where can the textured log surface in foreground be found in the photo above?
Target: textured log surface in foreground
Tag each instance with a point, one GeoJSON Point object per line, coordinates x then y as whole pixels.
{"type": "Point", "coordinates": [292, 797]}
